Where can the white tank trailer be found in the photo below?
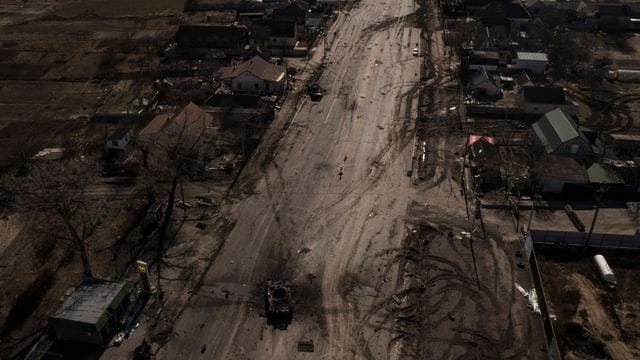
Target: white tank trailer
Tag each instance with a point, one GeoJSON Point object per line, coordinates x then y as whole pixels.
{"type": "Point", "coordinates": [625, 75]}
{"type": "Point", "coordinates": [604, 269]}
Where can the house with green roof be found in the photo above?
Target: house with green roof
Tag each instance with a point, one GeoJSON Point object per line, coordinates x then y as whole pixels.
{"type": "Point", "coordinates": [558, 134]}
{"type": "Point", "coordinates": [91, 314]}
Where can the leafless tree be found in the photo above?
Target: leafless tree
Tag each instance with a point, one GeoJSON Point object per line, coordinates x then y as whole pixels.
{"type": "Point", "coordinates": [170, 156]}
{"type": "Point", "coordinates": [53, 194]}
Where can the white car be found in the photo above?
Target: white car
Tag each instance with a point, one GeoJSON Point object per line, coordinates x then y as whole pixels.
{"type": "Point", "coordinates": [416, 52]}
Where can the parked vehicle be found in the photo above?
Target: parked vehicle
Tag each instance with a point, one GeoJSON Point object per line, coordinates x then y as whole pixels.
{"type": "Point", "coordinates": [315, 93]}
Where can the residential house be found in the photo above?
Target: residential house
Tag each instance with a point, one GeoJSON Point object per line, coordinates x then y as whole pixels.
{"type": "Point", "coordinates": [255, 76]}
{"type": "Point", "coordinates": [296, 10]}
{"type": "Point", "coordinates": [190, 122]}
{"type": "Point", "coordinates": [542, 99]}
{"type": "Point", "coordinates": [616, 17]}
{"type": "Point", "coordinates": [484, 84]}
{"type": "Point", "coordinates": [119, 140]}
{"type": "Point", "coordinates": [625, 146]}
{"type": "Point", "coordinates": [313, 23]}
{"type": "Point", "coordinates": [535, 63]}
{"type": "Point", "coordinates": [508, 15]}
{"type": "Point", "coordinates": [556, 133]}
{"type": "Point", "coordinates": [485, 162]}
{"type": "Point", "coordinates": [282, 34]}
{"type": "Point", "coordinates": [489, 60]}
{"type": "Point", "coordinates": [482, 147]}
{"type": "Point", "coordinates": [212, 36]}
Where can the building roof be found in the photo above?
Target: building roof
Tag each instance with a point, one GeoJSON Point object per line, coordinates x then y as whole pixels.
{"type": "Point", "coordinates": [561, 168]}
{"type": "Point", "coordinates": [575, 6]}
{"type": "Point", "coordinates": [192, 119]}
{"type": "Point", "coordinates": [555, 128]}
{"type": "Point", "coordinates": [477, 54]}
{"type": "Point", "coordinates": [281, 28]}
{"type": "Point", "coordinates": [544, 95]}
{"type": "Point", "coordinates": [625, 137]}
{"type": "Point", "coordinates": [257, 66]}
{"type": "Point", "coordinates": [532, 56]}
{"type": "Point", "coordinates": [49, 154]}
{"type": "Point", "coordinates": [524, 80]}
{"type": "Point", "coordinates": [314, 21]}
{"type": "Point", "coordinates": [90, 301]}
{"type": "Point", "coordinates": [475, 138]}
{"type": "Point", "coordinates": [212, 36]}
{"type": "Point", "coordinates": [599, 175]}
{"type": "Point", "coordinates": [294, 9]}
{"type": "Point", "coordinates": [480, 76]}
{"type": "Point", "coordinates": [119, 134]}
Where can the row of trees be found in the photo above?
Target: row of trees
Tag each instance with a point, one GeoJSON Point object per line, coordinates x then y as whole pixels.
{"type": "Point", "coordinates": [63, 200]}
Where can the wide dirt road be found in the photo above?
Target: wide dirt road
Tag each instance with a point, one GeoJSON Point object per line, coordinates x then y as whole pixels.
{"type": "Point", "coordinates": [326, 215]}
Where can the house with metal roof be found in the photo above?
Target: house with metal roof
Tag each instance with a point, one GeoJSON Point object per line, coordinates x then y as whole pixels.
{"type": "Point", "coordinates": [536, 63]}
{"type": "Point", "coordinates": [558, 134]}
{"type": "Point", "coordinates": [91, 314]}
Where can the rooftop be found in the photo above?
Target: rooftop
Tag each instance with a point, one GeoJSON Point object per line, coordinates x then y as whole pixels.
{"type": "Point", "coordinates": [555, 128]}
{"type": "Point", "coordinates": [476, 54]}
{"type": "Point", "coordinates": [89, 301]}
{"type": "Point", "coordinates": [192, 119]}
{"type": "Point", "coordinates": [532, 56]}
{"type": "Point", "coordinates": [599, 175]}
{"type": "Point", "coordinates": [257, 66]}
{"type": "Point", "coordinates": [544, 94]}
{"type": "Point", "coordinates": [561, 168]}
{"type": "Point", "coordinates": [625, 137]}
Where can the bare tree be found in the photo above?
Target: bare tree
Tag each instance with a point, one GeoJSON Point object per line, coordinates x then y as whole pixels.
{"type": "Point", "coordinates": [54, 196]}
{"type": "Point", "coordinates": [170, 156]}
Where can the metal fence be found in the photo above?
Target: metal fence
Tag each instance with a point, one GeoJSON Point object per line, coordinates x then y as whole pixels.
{"type": "Point", "coordinates": [596, 240]}
{"type": "Point", "coordinates": [553, 351]}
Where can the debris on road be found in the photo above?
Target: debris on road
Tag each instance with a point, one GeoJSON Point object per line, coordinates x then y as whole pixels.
{"type": "Point", "coordinates": [305, 346]}
{"type": "Point", "coordinates": [201, 226]}
{"type": "Point", "coordinates": [396, 299]}
{"type": "Point", "coordinates": [304, 250]}
{"type": "Point", "coordinates": [142, 352]}
{"type": "Point", "coordinates": [532, 298]}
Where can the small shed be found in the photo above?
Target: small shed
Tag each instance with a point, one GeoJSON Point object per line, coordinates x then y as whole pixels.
{"type": "Point", "coordinates": [536, 63]}
{"type": "Point", "coordinates": [91, 314]}
{"type": "Point", "coordinates": [489, 60]}
{"type": "Point", "coordinates": [484, 84]}
{"type": "Point", "coordinates": [119, 140]}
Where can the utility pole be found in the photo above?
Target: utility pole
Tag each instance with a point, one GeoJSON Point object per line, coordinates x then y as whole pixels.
{"type": "Point", "coordinates": [593, 224]}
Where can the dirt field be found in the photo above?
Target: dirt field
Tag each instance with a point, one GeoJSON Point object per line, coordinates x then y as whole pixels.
{"type": "Point", "coordinates": [60, 63]}
{"type": "Point", "coordinates": [594, 321]}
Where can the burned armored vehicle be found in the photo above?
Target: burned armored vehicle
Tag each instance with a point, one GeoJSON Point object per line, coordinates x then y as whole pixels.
{"type": "Point", "coordinates": [279, 309]}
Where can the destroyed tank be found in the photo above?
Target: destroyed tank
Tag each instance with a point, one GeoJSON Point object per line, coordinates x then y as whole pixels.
{"type": "Point", "coordinates": [278, 306]}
